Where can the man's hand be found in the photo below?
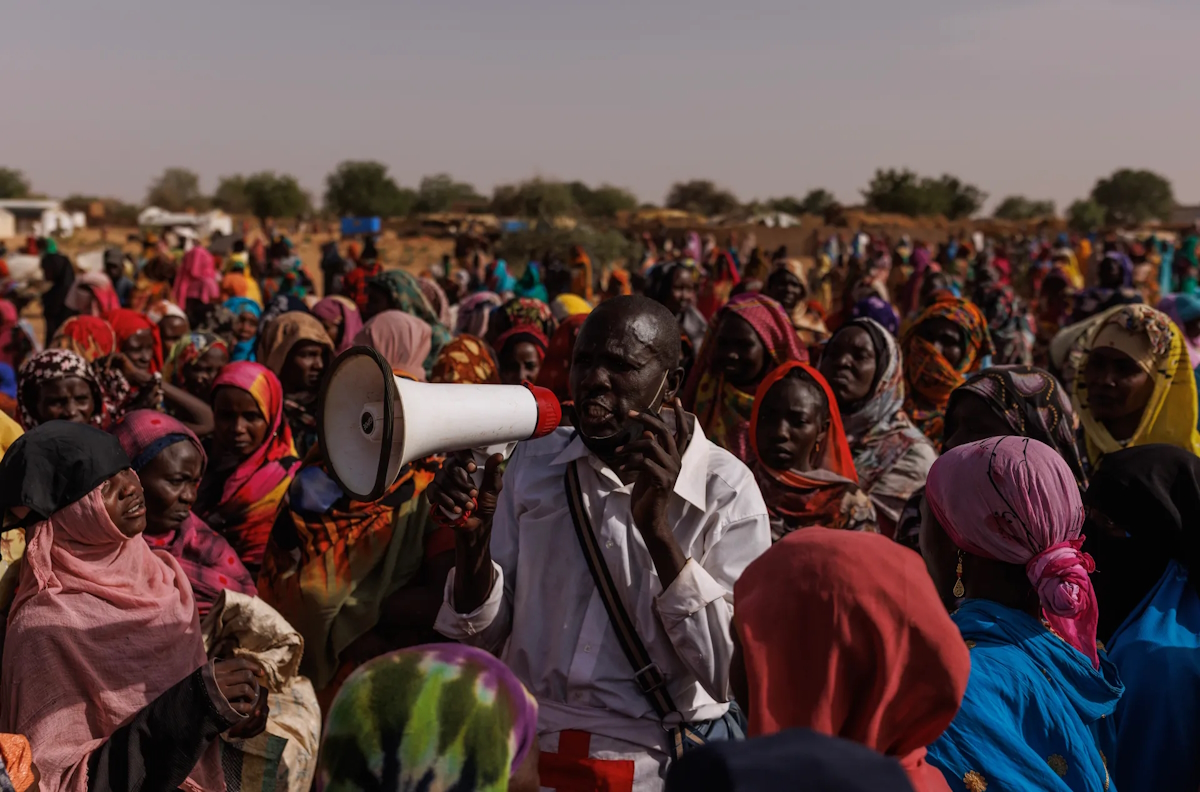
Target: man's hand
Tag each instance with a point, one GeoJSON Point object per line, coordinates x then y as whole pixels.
{"type": "Point", "coordinates": [657, 458]}
{"type": "Point", "coordinates": [237, 680]}
{"type": "Point", "coordinates": [256, 723]}
{"type": "Point", "coordinates": [453, 491]}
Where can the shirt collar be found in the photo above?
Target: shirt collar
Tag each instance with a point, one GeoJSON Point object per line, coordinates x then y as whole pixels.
{"type": "Point", "coordinates": [692, 484]}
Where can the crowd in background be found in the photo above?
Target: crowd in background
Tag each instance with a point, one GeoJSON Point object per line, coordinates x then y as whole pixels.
{"type": "Point", "coordinates": [192, 600]}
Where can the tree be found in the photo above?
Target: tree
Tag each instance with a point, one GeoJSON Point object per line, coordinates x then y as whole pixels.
{"type": "Point", "coordinates": [176, 190]}
{"type": "Point", "coordinates": [364, 189]}
{"type": "Point", "coordinates": [1131, 197]}
{"type": "Point", "coordinates": [534, 198]}
{"type": "Point", "coordinates": [270, 195]}
{"type": "Point", "coordinates": [231, 195]}
{"type": "Point", "coordinates": [1018, 207]}
{"type": "Point", "coordinates": [701, 196]}
{"type": "Point", "coordinates": [1085, 216]}
{"type": "Point", "coordinates": [440, 193]}
{"type": "Point", "coordinates": [603, 202]}
{"type": "Point", "coordinates": [904, 192]}
{"type": "Point", "coordinates": [815, 202]}
{"type": "Point", "coordinates": [13, 184]}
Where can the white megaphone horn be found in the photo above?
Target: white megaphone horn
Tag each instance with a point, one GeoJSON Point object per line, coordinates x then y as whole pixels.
{"type": "Point", "coordinates": [370, 423]}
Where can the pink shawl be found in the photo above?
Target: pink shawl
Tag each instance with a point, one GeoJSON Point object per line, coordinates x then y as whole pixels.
{"type": "Point", "coordinates": [101, 626]}
{"type": "Point", "coordinates": [92, 294]}
{"type": "Point", "coordinates": [197, 278]}
{"type": "Point", "coordinates": [402, 339]}
{"type": "Point", "coordinates": [1016, 500]}
{"type": "Point", "coordinates": [345, 313]}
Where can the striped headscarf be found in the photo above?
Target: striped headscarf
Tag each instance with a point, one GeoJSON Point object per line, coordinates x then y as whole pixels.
{"type": "Point", "coordinates": [433, 717]}
{"type": "Point", "coordinates": [254, 491]}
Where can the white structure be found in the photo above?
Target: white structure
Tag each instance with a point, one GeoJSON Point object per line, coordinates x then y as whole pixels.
{"type": "Point", "coordinates": [42, 218]}
{"type": "Point", "coordinates": [205, 225]}
{"type": "Point", "coordinates": [8, 224]}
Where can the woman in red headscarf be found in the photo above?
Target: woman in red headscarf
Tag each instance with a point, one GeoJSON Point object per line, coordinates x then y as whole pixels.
{"type": "Point", "coordinates": [802, 461]}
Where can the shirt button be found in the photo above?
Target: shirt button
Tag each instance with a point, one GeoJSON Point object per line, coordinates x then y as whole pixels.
{"type": "Point", "coordinates": [587, 648]}
{"type": "Point", "coordinates": [609, 543]}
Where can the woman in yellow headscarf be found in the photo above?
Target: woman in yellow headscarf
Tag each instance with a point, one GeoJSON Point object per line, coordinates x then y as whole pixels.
{"type": "Point", "coordinates": [1133, 383]}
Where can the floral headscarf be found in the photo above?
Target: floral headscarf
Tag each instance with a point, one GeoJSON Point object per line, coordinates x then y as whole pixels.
{"type": "Point", "coordinates": [191, 347]}
{"type": "Point", "coordinates": [466, 360]}
{"type": "Point", "coordinates": [54, 364]}
{"type": "Point", "coordinates": [929, 374]}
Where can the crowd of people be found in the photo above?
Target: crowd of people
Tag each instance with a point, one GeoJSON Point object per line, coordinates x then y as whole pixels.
{"type": "Point", "coordinates": [894, 515]}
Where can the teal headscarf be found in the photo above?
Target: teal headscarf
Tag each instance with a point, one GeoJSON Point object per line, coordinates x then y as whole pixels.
{"type": "Point", "coordinates": [530, 284]}
{"type": "Point", "coordinates": [243, 350]}
{"type": "Point", "coordinates": [440, 716]}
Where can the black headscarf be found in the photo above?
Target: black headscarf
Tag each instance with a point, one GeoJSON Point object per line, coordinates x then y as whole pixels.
{"type": "Point", "coordinates": [1152, 494]}
{"type": "Point", "coordinates": [55, 464]}
{"type": "Point", "coordinates": [793, 759]}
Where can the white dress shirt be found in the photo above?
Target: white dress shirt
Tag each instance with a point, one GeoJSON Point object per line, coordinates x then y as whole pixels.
{"type": "Point", "coordinates": [543, 603]}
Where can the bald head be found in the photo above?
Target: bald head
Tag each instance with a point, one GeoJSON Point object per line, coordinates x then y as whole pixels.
{"type": "Point", "coordinates": [647, 321]}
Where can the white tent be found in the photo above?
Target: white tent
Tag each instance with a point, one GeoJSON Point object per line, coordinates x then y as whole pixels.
{"type": "Point", "coordinates": [205, 225]}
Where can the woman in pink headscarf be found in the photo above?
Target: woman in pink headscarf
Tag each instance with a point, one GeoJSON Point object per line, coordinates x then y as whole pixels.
{"type": "Point", "coordinates": [1001, 534]}
{"type": "Point", "coordinates": [402, 339]}
{"type": "Point", "coordinates": [197, 279]}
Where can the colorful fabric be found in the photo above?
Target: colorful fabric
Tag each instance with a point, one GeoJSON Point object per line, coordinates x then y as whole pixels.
{"type": "Point", "coordinates": [522, 312]}
{"type": "Point", "coordinates": [210, 564]}
{"type": "Point", "coordinates": [16, 762]}
{"type": "Point", "coordinates": [1008, 324]}
{"type": "Point", "coordinates": [880, 310]}
{"type": "Point", "coordinates": [440, 716]}
{"type": "Point", "coordinates": [277, 339]}
{"type": "Point", "coordinates": [828, 495]}
{"type": "Point", "coordinates": [1015, 500]}
{"type": "Point", "coordinates": [1032, 403]}
{"type": "Point", "coordinates": [243, 350]}
{"type": "Point", "coordinates": [878, 661]}
{"type": "Point", "coordinates": [345, 314]}
{"type": "Point", "coordinates": [252, 493]}
{"type": "Point", "coordinates": [891, 455]}
{"type": "Point", "coordinates": [1031, 711]}
{"type": "Point", "coordinates": [127, 323]}
{"type": "Point", "coordinates": [9, 321]}
{"type": "Point", "coordinates": [53, 364]}
{"type": "Point", "coordinates": [356, 281]}
{"type": "Point", "coordinates": [92, 294]}
{"type": "Point", "coordinates": [101, 626]}
{"type": "Point", "coordinates": [467, 360]}
{"type": "Point", "coordinates": [807, 321]}
{"type": "Point", "coordinates": [403, 340]}
{"type": "Point", "coordinates": [724, 410]}
{"type": "Point", "coordinates": [406, 296]}
{"type": "Point", "coordinates": [719, 285]}
{"type": "Point", "coordinates": [161, 309]}
{"type": "Point", "coordinates": [529, 334]}
{"type": "Point", "coordinates": [581, 275]}
{"type": "Point", "coordinates": [1150, 338]}
{"type": "Point", "coordinates": [186, 351]}
{"type": "Point", "coordinates": [474, 313]}
{"type": "Point", "coordinates": [928, 374]}
{"type": "Point", "coordinates": [333, 561]}
{"type": "Point", "coordinates": [1184, 308]}
{"type": "Point", "coordinates": [565, 305]}
{"type": "Point", "coordinates": [530, 284]}
{"type": "Point", "coordinates": [555, 373]}
{"type": "Point", "coordinates": [90, 337]}
{"type": "Point", "coordinates": [437, 299]}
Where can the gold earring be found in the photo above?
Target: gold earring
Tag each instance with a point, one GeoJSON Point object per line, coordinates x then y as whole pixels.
{"type": "Point", "coordinates": [959, 589]}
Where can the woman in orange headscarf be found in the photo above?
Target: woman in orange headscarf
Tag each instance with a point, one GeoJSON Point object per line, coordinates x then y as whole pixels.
{"type": "Point", "coordinates": [877, 661]}
{"type": "Point", "coordinates": [802, 461]}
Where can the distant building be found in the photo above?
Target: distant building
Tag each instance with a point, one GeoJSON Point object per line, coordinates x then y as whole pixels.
{"type": "Point", "coordinates": [40, 218]}
{"type": "Point", "coordinates": [1185, 215]}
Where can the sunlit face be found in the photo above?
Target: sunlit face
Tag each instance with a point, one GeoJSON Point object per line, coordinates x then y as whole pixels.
{"type": "Point", "coordinates": [66, 399]}
{"type": "Point", "coordinates": [170, 482]}
{"type": "Point", "coordinates": [125, 502]}
{"type": "Point", "coordinates": [520, 362]}
{"type": "Point", "coordinates": [792, 420]}
{"type": "Point", "coordinates": [740, 354]}
{"type": "Point", "coordinates": [848, 364]}
{"type": "Point", "coordinates": [1117, 387]}
{"type": "Point", "coordinates": [139, 348]}
{"type": "Point", "coordinates": [239, 426]}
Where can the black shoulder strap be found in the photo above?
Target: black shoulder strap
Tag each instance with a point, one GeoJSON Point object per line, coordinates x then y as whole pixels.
{"type": "Point", "coordinates": [647, 675]}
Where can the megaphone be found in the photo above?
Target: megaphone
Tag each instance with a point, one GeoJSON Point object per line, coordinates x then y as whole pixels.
{"type": "Point", "coordinates": [370, 423]}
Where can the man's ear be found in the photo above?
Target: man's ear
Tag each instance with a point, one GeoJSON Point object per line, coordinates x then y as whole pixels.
{"type": "Point", "coordinates": [674, 385]}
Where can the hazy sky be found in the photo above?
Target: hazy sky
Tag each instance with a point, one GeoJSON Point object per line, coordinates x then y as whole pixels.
{"type": "Point", "coordinates": [766, 97]}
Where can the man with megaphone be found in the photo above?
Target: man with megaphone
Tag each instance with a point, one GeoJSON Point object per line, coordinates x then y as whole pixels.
{"type": "Point", "coordinates": [602, 563]}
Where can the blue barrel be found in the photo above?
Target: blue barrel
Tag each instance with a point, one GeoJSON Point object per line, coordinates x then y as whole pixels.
{"type": "Point", "coordinates": [356, 226]}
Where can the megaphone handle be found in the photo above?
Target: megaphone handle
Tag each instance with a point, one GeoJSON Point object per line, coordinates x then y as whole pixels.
{"type": "Point", "coordinates": [479, 456]}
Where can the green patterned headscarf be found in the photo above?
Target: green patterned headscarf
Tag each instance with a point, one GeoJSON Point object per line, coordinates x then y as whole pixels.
{"type": "Point", "coordinates": [434, 717]}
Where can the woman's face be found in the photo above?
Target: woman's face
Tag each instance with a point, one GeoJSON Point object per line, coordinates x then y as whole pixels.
{"type": "Point", "coordinates": [304, 366]}
{"type": "Point", "coordinates": [682, 294]}
{"type": "Point", "coordinates": [239, 427]}
{"type": "Point", "coordinates": [66, 399]}
{"type": "Point", "coordinates": [792, 420]}
{"type": "Point", "coordinates": [198, 376]}
{"type": "Point", "coordinates": [170, 482]}
{"type": "Point", "coordinates": [378, 301]}
{"type": "Point", "coordinates": [940, 554]}
{"type": "Point", "coordinates": [139, 348]}
{"type": "Point", "coordinates": [245, 326]}
{"type": "Point", "coordinates": [969, 419]}
{"type": "Point", "coordinates": [785, 288]}
{"type": "Point", "coordinates": [740, 354]}
{"type": "Point", "coordinates": [171, 329]}
{"type": "Point", "coordinates": [520, 363]}
{"type": "Point", "coordinates": [848, 364]}
{"type": "Point", "coordinates": [1117, 387]}
{"type": "Point", "coordinates": [946, 337]}
{"type": "Point", "coordinates": [125, 502]}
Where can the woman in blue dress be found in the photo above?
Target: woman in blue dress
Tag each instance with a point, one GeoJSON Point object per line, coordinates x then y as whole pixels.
{"type": "Point", "coordinates": [1001, 532]}
{"type": "Point", "coordinates": [1144, 530]}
